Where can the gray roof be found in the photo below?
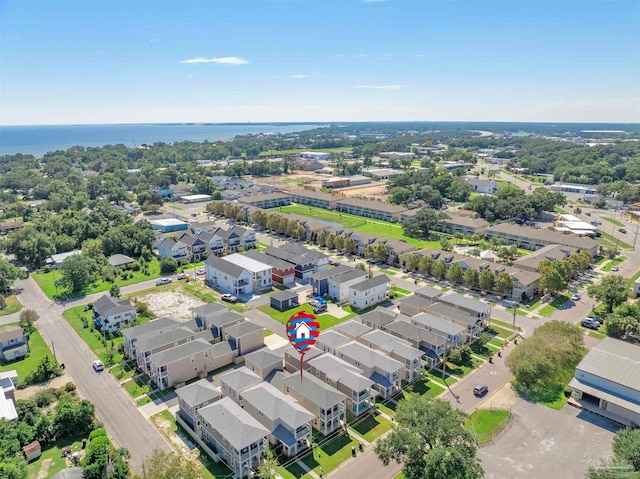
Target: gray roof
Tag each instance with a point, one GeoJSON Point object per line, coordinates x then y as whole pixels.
{"type": "Point", "coordinates": [466, 221]}
{"type": "Point", "coordinates": [233, 423]}
{"type": "Point", "coordinates": [331, 339]}
{"type": "Point", "coordinates": [370, 283]}
{"type": "Point", "coordinates": [151, 326]}
{"type": "Point", "coordinates": [276, 405]}
{"type": "Point", "coordinates": [328, 273]}
{"type": "Point", "coordinates": [548, 236]}
{"type": "Point", "coordinates": [438, 324]}
{"type": "Point", "coordinates": [302, 251]}
{"type": "Point", "coordinates": [388, 343]}
{"type": "Point", "coordinates": [293, 258]}
{"type": "Point", "coordinates": [410, 331]}
{"type": "Point", "coordinates": [312, 388]}
{"type": "Point", "coordinates": [198, 393]}
{"type": "Point", "coordinates": [222, 318]}
{"type": "Point", "coordinates": [466, 303]}
{"type": "Point", "coordinates": [108, 306]}
{"type": "Point", "coordinates": [316, 195]}
{"type": "Point", "coordinates": [550, 252]}
{"type": "Point", "coordinates": [348, 276]}
{"type": "Point", "coordinates": [272, 261]}
{"type": "Point", "coordinates": [415, 301]}
{"type": "Point", "coordinates": [370, 357]}
{"type": "Point", "coordinates": [284, 295]}
{"type": "Point", "coordinates": [429, 292]}
{"type": "Point", "coordinates": [373, 205]}
{"type": "Point", "coordinates": [208, 308]}
{"type": "Point", "coordinates": [226, 267]}
{"type": "Point", "coordinates": [263, 358]}
{"type": "Point", "coordinates": [312, 352]}
{"type": "Point", "coordinates": [162, 338]}
{"type": "Point", "coordinates": [614, 360]}
{"type": "Point", "coordinates": [119, 260]}
{"type": "Point", "coordinates": [221, 349]}
{"type": "Point", "coordinates": [352, 328]}
{"type": "Point", "coordinates": [378, 317]}
{"type": "Point", "coordinates": [341, 371]}
{"type": "Point", "coordinates": [448, 311]}
{"type": "Point", "coordinates": [242, 329]}
{"type": "Point", "coordinates": [69, 473]}
{"type": "Point", "coordinates": [179, 352]}
{"type": "Point", "coordinates": [240, 379]}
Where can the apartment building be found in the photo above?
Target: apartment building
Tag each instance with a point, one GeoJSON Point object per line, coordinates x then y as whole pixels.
{"type": "Point", "coordinates": [329, 341]}
{"type": "Point", "coordinates": [396, 348]}
{"type": "Point", "coordinates": [315, 198]}
{"type": "Point", "coordinates": [320, 260]}
{"type": "Point", "coordinates": [552, 252]}
{"type": "Point", "coordinates": [227, 276]}
{"type": "Point", "coordinates": [474, 325]}
{"type": "Point", "coordinates": [292, 357]}
{"type": "Point", "coordinates": [196, 247]}
{"type": "Point", "coordinates": [452, 332]}
{"type": "Point", "coordinates": [303, 265]}
{"type": "Point", "coordinates": [365, 294]}
{"type": "Point", "coordinates": [267, 200]}
{"type": "Point", "coordinates": [131, 335]}
{"type": "Point", "coordinates": [352, 329]}
{"type": "Point", "coordinates": [261, 273]}
{"type": "Point", "coordinates": [244, 337]}
{"type": "Point", "coordinates": [282, 272]}
{"type": "Point", "coordinates": [534, 239]}
{"type": "Point", "coordinates": [338, 286]}
{"type": "Point", "coordinates": [263, 362]}
{"type": "Point", "coordinates": [487, 186]}
{"type": "Point", "coordinates": [320, 281]}
{"type": "Point", "coordinates": [378, 318]}
{"type": "Point", "coordinates": [430, 344]}
{"type": "Point", "coordinates": [462, 224]}
{"type": "Point", "coordinates": [193, 397]}
{"type": "Point", "coordinates": [371, 209]}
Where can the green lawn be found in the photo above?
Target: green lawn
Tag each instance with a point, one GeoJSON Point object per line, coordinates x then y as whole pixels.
{"type": "Point", "coordinates": [487, 423]}
{"type": "Point", "coordinates": [613, 241]}
{"type": "Point", "coordinates": [138, 386]}
{"type": "Point", "coordinates": [633, 279]}
{"type": "Point", "coordinates": [12, 305]}
{"type": "Point", "coordinates": [371, 426]}
{"type": "Point", "coordinates": [203, 293]}
{"type": "Point", "coordinates": [387, 407]}
{"type": "Point", "coordinates": [267, 332]}
{"type": "Point", "coordinates": [53, 452]}
{"type": "Point", "coordinates": [387, 271]}
{"type": "Point", "coordinates": [38, 349]}
{"type": "Point", "coordinates": [425, 387]}
{"type": "Point", "coordinates": [555, 304]}
{"type": "Point", "coordinates": [501, 324]}
{"type": "Point", "coordinates": [329, 453]}
{"type": "Point", "coordinates": [325, 320]}
{"type": "Point", "coordinates": [46, 281]}
{"type": "Point", "coordinates": [607, 267]}
{"type": "Point", "coordinates": [359, 223]}
{"type": "Point", "coordinates": [495, 330]}
{"type": "Point", "coordinates": [437, 377]}
{"type": "Point", "coordinates": [559, 210]}
{"type": "Point", "coordinates": [612, 221]}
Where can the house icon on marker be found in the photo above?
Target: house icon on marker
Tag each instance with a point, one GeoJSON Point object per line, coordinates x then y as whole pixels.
{"type": "Point", "coordinates": [302, 331]}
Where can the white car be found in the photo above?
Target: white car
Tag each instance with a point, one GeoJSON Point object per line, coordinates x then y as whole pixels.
{"type": "Point", "coordinates": [615, 268]}
{"type": "Point", "coordinates": [575, 297]}
{"type": "Point", "coordinates": [163, 281]}
{"type": "Point", "coordinates": [98, 366]}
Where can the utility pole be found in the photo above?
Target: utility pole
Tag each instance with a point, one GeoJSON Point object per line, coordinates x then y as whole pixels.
{"type": "Point", "coordinates": [55, 359]}
{"type": "Point", "coordinates": [635, 238]}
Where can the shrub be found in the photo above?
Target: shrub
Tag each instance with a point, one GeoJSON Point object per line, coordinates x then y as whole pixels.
{"type": "Point", "coordinates": [135, 266]}
{"type": "Point", "coordinates": [567, 391]}
{"type": "Point", "coordinates": [45, 397]}
{"type": "Point", "coordinates": [455, 357]}
{"type": "Point", "coordinates": [100, 432]}
{"type": "Point", "coordinates": [70, 387]}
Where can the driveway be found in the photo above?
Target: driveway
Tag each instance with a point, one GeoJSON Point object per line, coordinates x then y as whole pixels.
{"type": "Point", "coordinates": [543, 443]}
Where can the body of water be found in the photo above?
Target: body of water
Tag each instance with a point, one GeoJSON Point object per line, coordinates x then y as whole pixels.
{"type": "Point", "coordinates": [38, 140]}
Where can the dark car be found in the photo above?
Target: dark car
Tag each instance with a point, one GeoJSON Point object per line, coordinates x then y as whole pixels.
{"type": "Point", "coordinates": [480, 389]}
{"type": "Point", "coordinates": [321, 308]}
{"type": "Point", "coordinates": [590, 323]}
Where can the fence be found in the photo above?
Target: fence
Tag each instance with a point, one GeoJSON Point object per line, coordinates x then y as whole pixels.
{"type": "Point", "coordinates": [497, 429]}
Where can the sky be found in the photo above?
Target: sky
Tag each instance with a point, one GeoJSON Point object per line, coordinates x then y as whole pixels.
{"type": "Point", "coordinates": [75, 62]}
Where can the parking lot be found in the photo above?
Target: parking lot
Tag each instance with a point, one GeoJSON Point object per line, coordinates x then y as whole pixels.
{"type": "Point", "coordinates": [543, 443]}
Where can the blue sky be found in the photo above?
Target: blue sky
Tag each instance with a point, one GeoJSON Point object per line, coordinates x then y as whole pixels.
{"type": "Point", "coordinates": [67, 62]}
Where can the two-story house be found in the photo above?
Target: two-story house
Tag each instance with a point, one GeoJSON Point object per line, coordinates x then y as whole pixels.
{"type": "Point", "coordinates": [193, 397]}
{"type": "Point", "coordinates": [13, 343]}
{"type": "Point", "coordinates": [244, 337]}
{"type": "Point", "coordinates": [227, 276]}
{"type": "Point", "coordinates": [303, 266]}
{"type": "Point", "coordinates": [473, 315]}
{"type": "Point", "coordinates": [111, 314]}
{"type": "Point", "coordinates": [260, 272]}
{"type": "Point", "coordinates": [453, 332]}
{"type": "Point", "coordinates": [346, 378]}
{"type": "Point", "coordinates": [398, 349]}
{"type": "Point", "coordinates": [326, 403]}
{"type": "Point", "coordinates": [378, 318]}
{"type": "Point", "coordinates": [282, 272]}
{"type": "Point", "coordinates": [432, 345]}
{"type": "Point", "coordinates": [329, 341]}
{"type": "Point", "coordinates": [385, 372]}
{"type": "Point", "coordinates": [233, 436]}
{"type": "Point", "coordinates": [320, 260]}
{"type": "Point", "coordinates": [352, 329]}
{"type": "Point", "coordinates": [320, 280]}
{"type": "Point", "coordinates": [369, 292]}
{"type": "Point", "coordinates": [196, 247]}
{"type": "Point", "coordinates": [131, 335]}
{"type": "Point", "coordinates": [287, 421]}
{"type": "Point", "coordinates": [263, 362]}
{"type": "Point", "coordinates": [338, 286]}
{"type": "Point", "coordinates": [169, 248]}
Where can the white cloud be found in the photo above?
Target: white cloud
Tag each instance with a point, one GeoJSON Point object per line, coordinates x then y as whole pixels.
{"type": "Point", "coordinates": [381, 87]}
{"type": "Point", "coordinates": [219, 60]}
{"type": "Point", "coordinates": [299, 76]}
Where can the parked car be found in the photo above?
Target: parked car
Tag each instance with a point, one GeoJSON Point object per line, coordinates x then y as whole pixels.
{"type": "Point", "coordinates": [575, 297]}
{"type": "Point", "coordinates": [615, 268]}
{"type": "Point", "coordinates": [182, 276]}
{"type": "Point", "coordinates": [480, 389]}
{"type": "Point", "coordinates": [590, 323]}
{"type": "Point", "coordinates": [314, 303]}
{"type": "Point", "coordinates": [163, 281]}
{"type": "Point", "coordinates": [200, 271]}
{"type": "Point", "coordinates": [588, 213]}
{"type": "Point", "coordinates": [320, 309]}
{"type": "Point", "coordinates": [97, 366]}
{"type": "Point", "coordinates": [622, 230]}
{"type": "Point", "coordinates": [595, 318]}
{"type": "Point", "coordinates": [229, 298]}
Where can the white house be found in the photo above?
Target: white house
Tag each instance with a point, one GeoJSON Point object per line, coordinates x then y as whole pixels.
{"type": "Point", "coordinates": [111, 313]}
{"type": "Point", "coordinates": [370, 292]}
{"type": "Point", "coordinates": [227, 276]}
{"type": "Point", "coordinates": [168, 248]}
{"type": "Point", "coordinates": [338, 286]}
{"type": "Point", "coordinates": [260, 272]}
{"type": "Point", "coordinates": [487, 186]}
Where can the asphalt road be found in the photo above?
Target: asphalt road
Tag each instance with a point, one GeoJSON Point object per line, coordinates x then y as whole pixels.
{"type": "Point", "coordinates": [366, 464]}
{"type": "Point", "coordinates": [124, 423]}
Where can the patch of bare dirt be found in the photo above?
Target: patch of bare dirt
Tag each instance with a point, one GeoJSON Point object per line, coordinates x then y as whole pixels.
{"type": "Point", "coordinates": [44, 468]}
{"type": "Point", "coordinates": [55, 383]}
{"type": "Point", "coordinates": [172, 303]}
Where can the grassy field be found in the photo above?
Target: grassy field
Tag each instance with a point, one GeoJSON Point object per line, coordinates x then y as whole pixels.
{"type": "Point", "coordinates": [613, 241]}
{"type": "Point", "coordinates": [425, 387]}
{"type": "Point", "coordinates": [138, 386]}
{"type": "Point", "coordinates": [371, 427]}
{"type": "Point", "coordinates": [12, 305]}
{"type": "Point", "coordinates": [487, 423]}
{"type": "Point", "coordinates": [612, 221]}
{"type": "Point", "coordinates": [359, 223]}
{"type": "Point", "coordinates": [501, 324]}
{"type": "Point", "coordinates": [329, 454]}
{"type": "Point", "coordinates": [53, 453]}
{"type": "Point", "coordinates": [46, 281]}
{"type": "Point", "coordinates": [38, 349]}
{"type": "Point", "coordinates": [607, 267]}
{"type": "Point", "coordinates": [553, 305]}
{"type": "Point", "coordinates": [325, 320]}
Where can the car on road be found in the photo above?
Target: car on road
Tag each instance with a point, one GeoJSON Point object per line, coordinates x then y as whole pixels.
{"type": "Point", "coordinates": [181, 276]}
{"type": "Point", "coordinates": [576, 297]}
{"type": "Point", "coordinates": [615, 268]}
{"type": "Point", "coordinates": [588, 213]}
{"type": "Point", "coordinates": [590, 323]}
{"type": "Point", "coordinates": [480, 389]}
{"type": "Point", "coordinates": [622, 230]}
{"type": "Point", "coordinates": [163, 281]}
{"type": "Point", "coordinates": [97, 366]}
{"type": "Point", "coordinates": [200, 271]}
{"type": "Point", "coordinates": [229, 298]}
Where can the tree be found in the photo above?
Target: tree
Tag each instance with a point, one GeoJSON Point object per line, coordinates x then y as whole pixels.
{"type": "Point", "coordinates": [455, 273]}
{"type": "Point", "coordinates": [77, 272]}
{"type": "Point", "coordinates": [168, 266]}
{"type": "Point", "coordinates": [268, 469]}
{"type": "Point", "coordinates": [338, 242]}
{"type": "Point", "coordinates": [381, 253]}
{"type": "Point", "coordinates": [626, 457]}
{"type": "Point", "coordinates": [350, 245]}
{"type": "Point", "coordinates": [554, 276]}
{"type": "Point", "coordinates": [321, 238]}
{"type": "Point", "coordinates": [612, 291]}
{"type": "Point", "coordinates": [430, 441]}
{"type": "Point", "coordinates": [361, 267]}
{"type": "Point", "coordinates": [330, 241]}
{"type": "Point", "coordinates": [541, 360]}
{"type": "Point", "coordinates": [168, 465]}
{"type": "Point", "coordinates": [439, 269]}
{"type": "Point", "coordinates": [486, 280]}
{"type": "Point", "coordinates": [422, 222]}
{"type": "Point", "coordinates": [28, 317]}
{"type": "Point", "coordinates": [503, 283]}
{"type": "Point", "coordinates": [445, 244]}
{"type": "Point", "coordinates": [8, 274]}
{"type": "Point", "coordinates": [471, 278]}
{"type": "Point", "coordinates": [412, 261]}
{"type": "Point", "coordinates": [114, 291]}
{"type": "Point", "coordinates": [30, 246]}
{"type": "Point", "coordinates": [369, 251]}
{"type": "Point", "coordinates": [426, 265]}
